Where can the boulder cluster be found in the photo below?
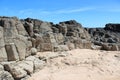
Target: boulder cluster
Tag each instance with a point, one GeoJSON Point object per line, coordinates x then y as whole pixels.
{"type": "Point", "coordinates": [107, 38]}
{"type": "Point", "coordinates": [21, 39]}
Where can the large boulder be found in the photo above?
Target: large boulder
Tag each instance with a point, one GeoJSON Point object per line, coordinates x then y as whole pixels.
{"type": "Point", "coordinates": [16, 71]}
{"type": "Point", "coordinates": [48, 42]}
{"type": "Point", "coordinates": [27, 66]}
{"type": "Point", "coordinates": [37, 63]}
{"type": "Point", "coordinates": [22, 45]}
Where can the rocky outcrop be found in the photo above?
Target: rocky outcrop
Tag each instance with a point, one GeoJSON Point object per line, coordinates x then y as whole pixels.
{"type": "Point", "coordinates": [74, 33]}
{"type": "Point", "coordinates": [113, 27]}
{"type": "Point", "coordinates": [106, 38]}
{"type": "Point", "coordinates": [47, 36]}
{"type": "Point", "coordinates": [20, 40]}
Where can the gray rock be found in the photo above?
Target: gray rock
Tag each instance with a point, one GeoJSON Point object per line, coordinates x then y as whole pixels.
{"type": "Point", "coordinates": [38, 64]}
{"type": "Point", "coordinates": [64, 47]}
{"type": "Point", "coordinates": [21, 45]}
{"type": "Point", "coordinates": [4, 75]}
{"type": "Point", "coordinates": [70, 46]}
{"type": "Point", "coordinates": [110, 40]}
{"type": "Point", "coordinates": [20, 28]}
{"type": "Point", "coordinates": [27, 66]}
{"type": "Point", "coordinates": [1, 67]}
{"type": "Point", "coordinates": [30, 58]}
{"type": "Point", "coordinates": [14, 32]}
{"type": "Point", "coordinates": [12, 54]}
{"type": "Point", "coordinates": [115, 47]}
{"type": "Point", "coordinates": [106, 46]}
{"type": "Point", "coordinates": [59, 38]}
{"type": "Point", "coordinates": [33, 51]}
{"type": "Point", "coordinates": [3, 54]}
{"type": "Point", "coordinates": [16, 71]}
{"type": "Point", "coordinates": [46, 47]}
{"type": "Point", "coordinates": [96, 47]}
{"type": "Point", "coordinates": [29, 28]}
{"type": "Point", "coordinates": [45, 27]}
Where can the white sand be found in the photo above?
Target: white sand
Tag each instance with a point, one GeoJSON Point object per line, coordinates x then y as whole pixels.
{"type": "Point", "coordinates": [82, 64]}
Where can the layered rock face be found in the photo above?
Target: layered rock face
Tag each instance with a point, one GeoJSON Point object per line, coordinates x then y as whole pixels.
{"type": "Point", "coordinates": [107, 38]}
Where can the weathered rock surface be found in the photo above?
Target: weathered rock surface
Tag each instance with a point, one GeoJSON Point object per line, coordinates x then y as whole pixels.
{"type": "Point", "coordinates": [4, 75]}
{"type": "Point", "coordinates": [108, 38]}
{"type": "Point", "coordinates": [21, 39]}
{"type": "Point", "coordinates": [13, 39]}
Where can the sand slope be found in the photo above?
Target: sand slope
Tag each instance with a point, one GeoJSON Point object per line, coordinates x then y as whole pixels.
{"type": "Point", "coordinates": [82, 64]}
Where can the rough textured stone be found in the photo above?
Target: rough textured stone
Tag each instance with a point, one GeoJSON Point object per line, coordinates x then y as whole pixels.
{"type": "Point", "coordinates": [1, 67]}
{"type": "Point", "coordinates": [33, 51]}
{"type": "Point", "coordinates": [38, 64]}
{"type": "Point", "coordinates": [11, 52]}
{"type": "Point", "coordinates": [27, 66]}
{"type": "Point", "coordinates": [30, 58]}
{"type": "Point", "coordinates": [3, 54]}
{"type": "Point", "coordinates": [46, 47]}
{"type": "Point", "coordinates": [106, 46]}
{"type": "Point", "coordinates": [64, 47]}
{"type": "Point", "coordinates": [108, 37]}
{"type": "Point", "coordinates": [12, 31]}
{"type": "Point", "coordinates": [112, 27]}
{"type": "Point", "coordinates": [115, 47]}
{"type": "Point", "coordinates": [15, 70]}
{"type": "Point", "coordinates": [70, 46]}
{"type": "Point", "coordinates": [4, 75]}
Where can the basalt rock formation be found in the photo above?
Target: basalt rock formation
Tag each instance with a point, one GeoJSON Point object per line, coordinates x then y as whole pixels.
{"type": "Point", "coordinates": [21, 39]}
{"type": "Point", "coordinates": [107, 38]}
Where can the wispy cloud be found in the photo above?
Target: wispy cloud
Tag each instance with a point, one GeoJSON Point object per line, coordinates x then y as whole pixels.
{"type": "Point", "coordinates": [67, 11]}
{"type": "Point", "coordinates": [60, 11]}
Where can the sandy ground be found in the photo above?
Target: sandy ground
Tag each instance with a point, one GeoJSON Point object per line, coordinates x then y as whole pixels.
{"type": "Point", "coordinates": [81, 64]}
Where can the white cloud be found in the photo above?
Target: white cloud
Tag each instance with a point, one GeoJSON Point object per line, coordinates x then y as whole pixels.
{"type": "Point", "coordinates": [61, 11]}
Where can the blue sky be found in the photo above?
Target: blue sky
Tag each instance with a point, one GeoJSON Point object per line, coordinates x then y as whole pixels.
{"type": "Point", "coordinates": [90, 13]}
